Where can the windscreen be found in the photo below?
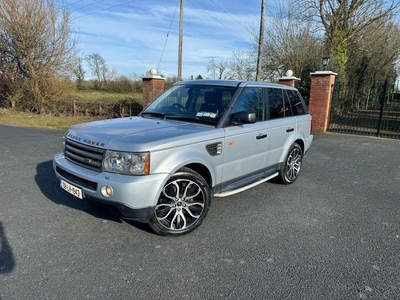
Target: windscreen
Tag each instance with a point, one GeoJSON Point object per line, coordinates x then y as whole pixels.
{"type": "Point", "coordinates": [191, 101]}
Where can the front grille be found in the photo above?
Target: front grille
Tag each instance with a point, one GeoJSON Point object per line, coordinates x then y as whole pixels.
{"type": "Point", "coordinates": [84, 155]}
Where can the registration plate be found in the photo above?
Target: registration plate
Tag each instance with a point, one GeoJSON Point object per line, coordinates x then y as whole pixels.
{"type": "Point", "coordinates": [73, 190]}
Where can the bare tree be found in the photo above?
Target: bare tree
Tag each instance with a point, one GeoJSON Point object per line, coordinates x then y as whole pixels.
{"type": "Point", "coordinates": [217, 68]}
{"type": "Point", "coordinates": [5, 78]}
{"type": "Point", "coordinates": [36, 38]}
{"type": "Point", "coordinates": [222, 66]}
{"type": "Point", "coordinates": [241, 66]}
{"type": "Point", "coordinates": [134, 79]}
{"type": "Point", "coordinates": [289, 43]}
{"type": "Point", "coordinates": [79, 72]}
{"type": "Point", "coordinates": [212, 68]}
{"type": "Point", "coordinates": [342, 20]}
{"type": "Point", "coordinates": [98, 67]}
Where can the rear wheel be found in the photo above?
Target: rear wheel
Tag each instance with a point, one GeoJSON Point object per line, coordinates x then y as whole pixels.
{"type": "Point", "coordinates": [182, 205]}
{"type": "Point", "coordinates": [291, 166]}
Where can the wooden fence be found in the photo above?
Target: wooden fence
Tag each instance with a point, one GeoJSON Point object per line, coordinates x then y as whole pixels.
{"type": "Point", "coordinates": [106, 110]}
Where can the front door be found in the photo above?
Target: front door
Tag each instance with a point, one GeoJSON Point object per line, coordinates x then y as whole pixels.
{"type": "Point", "coordinates": [246, 145]}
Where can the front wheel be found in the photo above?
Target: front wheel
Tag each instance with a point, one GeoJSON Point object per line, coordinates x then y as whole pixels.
{"type": "Point", "coordinates": [291, 166]}
{"type": "Point", "coordinates": [182, 205]}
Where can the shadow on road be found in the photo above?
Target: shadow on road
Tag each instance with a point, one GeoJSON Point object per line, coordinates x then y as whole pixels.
{"type": "Point", "coordinates": [7, 262]}
{"type": "Point", "coordinates": [50, 187]}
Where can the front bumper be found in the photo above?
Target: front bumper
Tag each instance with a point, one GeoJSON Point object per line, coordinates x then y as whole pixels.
{"type": "Point", "coordinates": [133, 197]}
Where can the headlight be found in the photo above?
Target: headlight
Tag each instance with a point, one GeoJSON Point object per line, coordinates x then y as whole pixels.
{"type": "Point", "coordinates": [126, 162]}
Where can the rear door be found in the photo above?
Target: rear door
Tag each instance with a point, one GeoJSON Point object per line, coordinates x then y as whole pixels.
{"type": "Point", "coordinates": [283, 125]}
{"type": "Point", "coordinates": [299, 110]}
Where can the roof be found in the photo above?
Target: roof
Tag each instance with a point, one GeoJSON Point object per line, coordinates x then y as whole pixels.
{"type": "Point", "coordinates": [231, 83]}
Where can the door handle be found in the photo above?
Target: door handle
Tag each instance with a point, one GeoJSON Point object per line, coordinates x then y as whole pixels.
{"type": "Point", "coordinates": [261, 136]}
{"type": "Point", "coordinates": [289, 129]}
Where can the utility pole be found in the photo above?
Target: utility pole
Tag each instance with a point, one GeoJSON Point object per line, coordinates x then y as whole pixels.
{"type": "Point", "coordinates": [180, 41]}
{"type": "Point", "coordinates": [260, 42]}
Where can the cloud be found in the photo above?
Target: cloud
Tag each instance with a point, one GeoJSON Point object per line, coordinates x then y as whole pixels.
{"type": "Point", "coordinates": [131, 37]}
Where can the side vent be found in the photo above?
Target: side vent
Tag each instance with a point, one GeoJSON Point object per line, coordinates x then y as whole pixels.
{"type": "Point", "coordinates": [214, 149]}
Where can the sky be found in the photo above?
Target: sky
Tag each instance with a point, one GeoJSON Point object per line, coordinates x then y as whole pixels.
{"type": "Point", "coordinates": [131, 35]}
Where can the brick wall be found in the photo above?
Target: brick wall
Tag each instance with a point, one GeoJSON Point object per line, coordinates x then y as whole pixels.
{"type": "Point", "coordinates": [152, 87]}
{"type": "Point", "coordinates": [320, 99]}
{"type": "Point", "coordinates": [289, 82]}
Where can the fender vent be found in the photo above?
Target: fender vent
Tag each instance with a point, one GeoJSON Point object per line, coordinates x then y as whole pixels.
{"type": "Point", "coordinates": [214, 149]}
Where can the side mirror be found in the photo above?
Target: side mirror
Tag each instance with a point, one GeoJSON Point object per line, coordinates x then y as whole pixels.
{"type": "Point", "coordinates": [244, 117]}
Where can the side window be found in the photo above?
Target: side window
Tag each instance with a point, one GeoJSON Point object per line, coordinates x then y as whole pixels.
{"type": "Point", "coordinates": [288, 109]}
{"type": "Point", "coordinates": [295, 102]}
{"type": "Point", "coordinates": [275, 99]}
{"type": "Point", "coordinates": [226, 98]}
{"type": "Point", "coordinates": [251, 100]}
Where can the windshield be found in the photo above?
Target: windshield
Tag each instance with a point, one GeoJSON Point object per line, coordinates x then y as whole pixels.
{"type": "Point", "coordinates": [201, 103]}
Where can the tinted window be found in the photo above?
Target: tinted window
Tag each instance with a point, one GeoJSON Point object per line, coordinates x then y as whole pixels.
{"type": "Point", "coordinates": [275, 98]}
{"type": "Point", "coordinates": [279, 103]}
{"type": "Point", "coordinates": [288, 109]}
{"type": "Point", "coordinates": [251, 100]}
{"type": "Point", "coordinates": [295, 102]}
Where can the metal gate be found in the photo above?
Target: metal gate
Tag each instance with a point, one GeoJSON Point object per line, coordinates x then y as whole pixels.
{"type": "Point", "coordinates": [375, 111]}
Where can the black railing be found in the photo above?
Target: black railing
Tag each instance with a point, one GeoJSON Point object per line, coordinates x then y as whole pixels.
{"type": "Point", "coordinates": [375, 112]}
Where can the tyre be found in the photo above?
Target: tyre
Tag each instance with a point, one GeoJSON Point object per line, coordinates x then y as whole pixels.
{"type": "Point", "coordinates": [291, 166]}
{"type": "Point", "coordinates": [182, 205]}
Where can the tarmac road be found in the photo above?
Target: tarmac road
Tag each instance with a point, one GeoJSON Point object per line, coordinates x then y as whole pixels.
{"type": "Point", "coordinates": [333, 234]}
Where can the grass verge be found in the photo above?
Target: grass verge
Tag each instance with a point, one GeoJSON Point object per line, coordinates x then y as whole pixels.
{"type": "Point", "coordinates": [14, 118]}
{"type": "Point", "coordinates": [105, 97]}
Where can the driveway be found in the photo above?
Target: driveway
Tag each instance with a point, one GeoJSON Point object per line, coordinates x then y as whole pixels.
{"type": "Point", "coordinates": [333, 234]}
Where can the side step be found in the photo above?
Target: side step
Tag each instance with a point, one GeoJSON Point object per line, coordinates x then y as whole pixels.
{"type": "Point", "coordinates": [232, 192]}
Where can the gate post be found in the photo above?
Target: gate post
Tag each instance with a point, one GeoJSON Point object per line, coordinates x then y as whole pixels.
{"type": "Point", "coordinates": [289, 79]}
{"type": "Point", "coordinates": [153, 86]}
{"type": "Point", "coordinates": [321, 99]}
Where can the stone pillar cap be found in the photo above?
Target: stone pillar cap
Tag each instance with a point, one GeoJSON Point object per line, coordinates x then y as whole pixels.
{"type": "Point", "coordinates": [324, 73]}
{"type": "Point", "coordinates": [289, 78]}
{"type": "Point", "coordinates": [153, 74]}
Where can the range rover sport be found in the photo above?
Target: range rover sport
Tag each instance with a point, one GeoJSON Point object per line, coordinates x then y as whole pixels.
{"type": "Point", "coordinates": [199, 139]}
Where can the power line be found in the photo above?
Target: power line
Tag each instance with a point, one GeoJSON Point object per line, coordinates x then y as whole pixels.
{"type": "Point", "coordinates": [169, 30]}
{"type": "Point", "coordinates": [75, 2]}
{"type": "Point", "coordinates": [87, 5]}
{"type": "Point", "coordinates": [219, 21]}
{"type": "Point", "coordinates": [230, 16]}
{"type": "Point", "coordinates": [107, 8]}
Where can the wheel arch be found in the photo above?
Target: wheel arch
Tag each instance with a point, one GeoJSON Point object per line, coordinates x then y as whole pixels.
{"type": "Point", "coordinates": [301, 143]}
{"type": "Point", "coordinates": [202, 170]}
{"type": "Point", "coordinates": [289, 144]}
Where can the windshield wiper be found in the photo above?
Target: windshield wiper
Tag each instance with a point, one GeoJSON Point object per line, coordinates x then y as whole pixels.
{"type": "Point", "coordinates": [154, 114]}
{"type": "Point", "coordinates": [190, 118]}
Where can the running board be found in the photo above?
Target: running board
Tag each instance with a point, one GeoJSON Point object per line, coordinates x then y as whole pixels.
{"type": "Point", "coordinates": [232, 192]}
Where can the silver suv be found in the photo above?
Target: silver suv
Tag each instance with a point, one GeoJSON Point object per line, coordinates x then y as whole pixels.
{"type": "Point", "coordinates": [198, 139]}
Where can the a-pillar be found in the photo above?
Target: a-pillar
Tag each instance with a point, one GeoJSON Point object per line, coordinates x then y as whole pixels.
{"type": "Point", "coordinates": [152, 86]}
{"type": "Point", "coordinates": [319, 107]}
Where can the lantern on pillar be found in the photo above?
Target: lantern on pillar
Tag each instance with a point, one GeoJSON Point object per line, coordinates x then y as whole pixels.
{"type": "Point", "coordinates": [325, 62]}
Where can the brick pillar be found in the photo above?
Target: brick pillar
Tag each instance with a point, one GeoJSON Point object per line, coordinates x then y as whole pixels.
{"type": "Point", "coordinates": [289, 79]}
{"type": "Point", "coordinates": [320, 99]}
{"type": "Point", "coordinates": [152, 87]}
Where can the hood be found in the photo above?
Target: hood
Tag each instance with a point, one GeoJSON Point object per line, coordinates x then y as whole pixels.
{"type": "Point", "coordinates": [141, 134]}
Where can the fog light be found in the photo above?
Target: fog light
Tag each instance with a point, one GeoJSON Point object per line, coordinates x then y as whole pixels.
{"type": "Point", "coordinates": [106, 191]}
